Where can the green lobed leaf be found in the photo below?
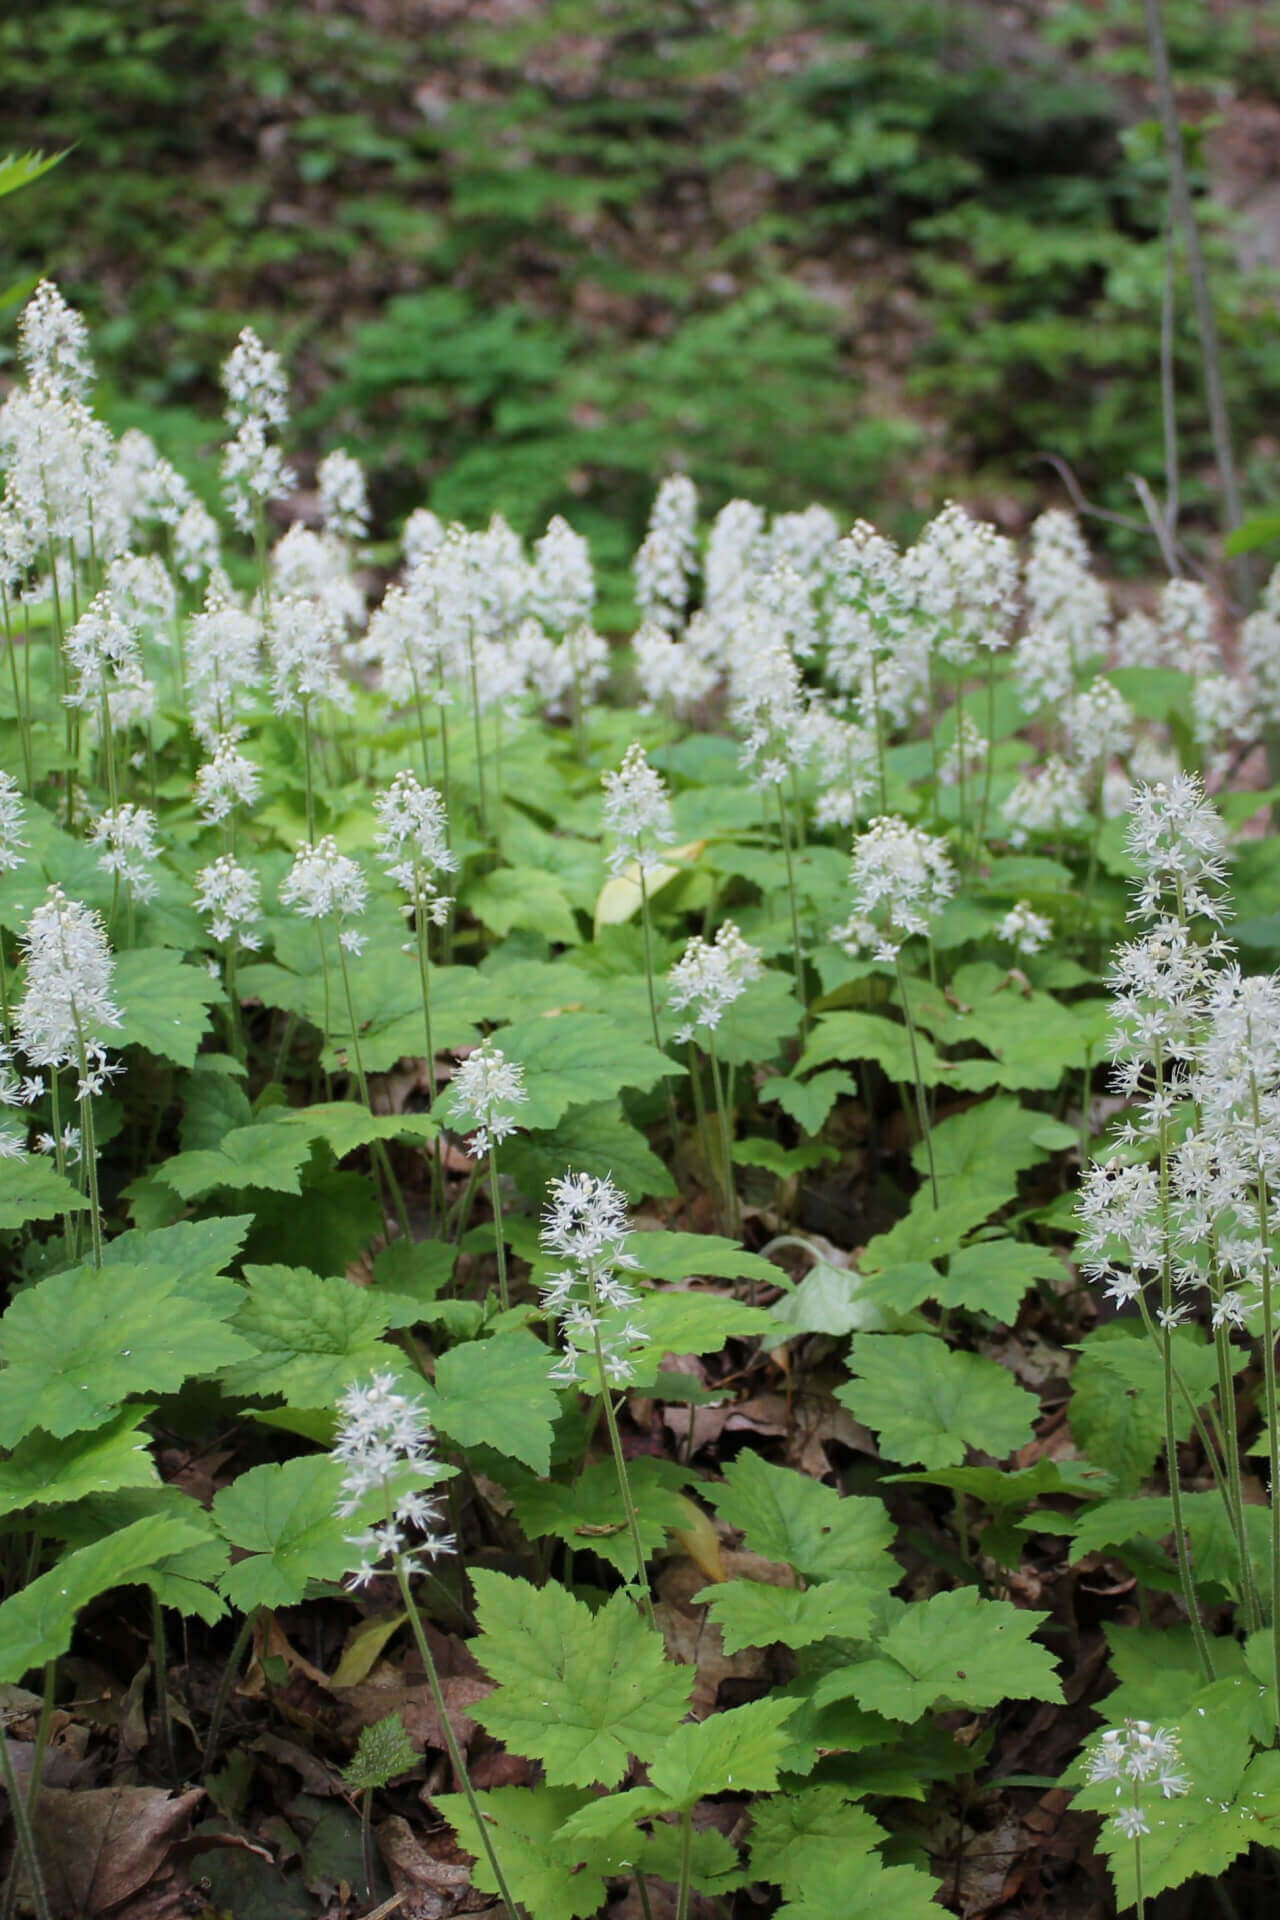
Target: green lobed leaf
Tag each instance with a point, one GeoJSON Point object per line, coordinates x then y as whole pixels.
{"type": "Point", "coordinates": [313, 1337]}
{"type": "Point", "coordinates": [582, 1692]}
{"type": "Point", "coordinates": [954, 1647]}
{"type": "Point", "coordinates": [83, 1341]}
{"type": "Point", "coordinates": [588, 1513]}
{"type": "Point", "coordinates": [579, 1060]}
{"type": "Point", "coordinates": [31, 1188]}
{"type": "Point", "coordinates": [594, 1139]}
{"type": "Point", "coordinates": [36, 1624]}
{"type": "Point", "coordinates": [752, 1613]}
{"type": "Point", "coordinates": [185, 1579]}
{"type": "Point", "coordinates": [992, 1276]}
{"type": "Point", "coordinates": [813, 1840]}
{"type": "Point", "coordinates": [524, 897]}
{"type": "Point", "coordinates": [549, 1876]}
{"type": "Point", "coordinates": [808, 1102]}
{"type": "Point", "coordinates": [282, 1518]}
{"type": "Point", "coordinates": [876, 1890]}
{"type": "Point", "coordinates": [45, 1472]}
{"type": "Point", "coordinates": [165, 1002]}
{"type": "Point", "coordinates": [495, 1393]}
{"type": "Point", "coordinates": [930, 1402]}
{"type": "Point", "coordinates": [789, 1517]}
{"type": "Point", "coordinates": [738, 1750]}
{"type": "Point", "coordinates": [703, 1256]}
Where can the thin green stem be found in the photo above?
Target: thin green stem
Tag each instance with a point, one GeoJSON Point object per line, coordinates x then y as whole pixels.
{"type": "Point", "coordinates": [424, 974]}
{"type": "Point", "coordinates": [1170, 1436]}
{"type": "Point", "coordinates": [729, 1186]}
{"type": "Point", "coordinates": [381, 1157]}
{"type": "Point", "coordinates": [450, 1739]}
{"type": "Point", "coordinates": [922, 1106]}
{"type": "Point", "coordinates": [648, 958]}
{"type": "Point", "coordinates": [223, 1695]}
{"type": "Point", "coordinates": [496, 1201]}
{"type": "Point", "coordinates": [23, 1830]}
{"type": "Point", "coordinates": [624, 1483]}
{"type": "Point", "coordinates": [686, 1865]}
{"type": "Point", "coordinates": [793, 900]}
{"type": "Point", "coordinates": [164, 1719]}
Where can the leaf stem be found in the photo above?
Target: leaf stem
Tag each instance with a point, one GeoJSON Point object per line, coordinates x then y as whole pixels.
{"type": "Point", "coordinates": [450, 1739]}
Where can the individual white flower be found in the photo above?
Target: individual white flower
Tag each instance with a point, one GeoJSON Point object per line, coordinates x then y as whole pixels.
{"type": "Point", "coordinates": [585, 1226]}
{"type": "Point", "coordinates": [228, 779]}
{"type": "Point", "coordinates": [413, 833]}
{"type": "Point", "coordinates": [485, 1090]}
{"type": "Point", "coordinates": [229, 896]}
{"type": "Point", "coordinates": [126, 839]}
{"type": "Point", "coordinates": [637, 811]}
{"type": "Point", "coordinates": [67, 1009]}
{"type": "Point", "coordinates": [1047, 800]}
{"type": "Point", "coordinates": [668, 558]}
{"type": "Point", "coordinates": [709, 976]}
{"type": "Point", "coordinates": [13, 819]}
{"type": "Point", "coordinates": [324, 884]}
{"type": "Point", "coordinates": [385, 1443]}
{"type": "Point", "coordinates": [344, 498]}
{"type": "Point", "coordinates": [900, 879]}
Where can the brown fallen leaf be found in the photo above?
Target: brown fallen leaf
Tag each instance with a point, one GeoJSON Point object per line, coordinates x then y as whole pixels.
{"type": "Point", "coordinates": [430, 1888]}
{"type": "Point", "coordinates": [103, 1845]}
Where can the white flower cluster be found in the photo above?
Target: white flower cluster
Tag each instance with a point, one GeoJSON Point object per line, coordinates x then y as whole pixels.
{"type": "Point", "coordinates": [67, 1009]}
{"type": "Point", "coordinates": [253, 467]}
{"type": "Point", "coordinates": [385, 1444]}
{"type": "Point", "coordinates": [1047, 800]}
{"type": "Point", "coordinates": [413, 833]}
{"type": "Point", "coordinates": [227, 780]}
{"type": "Point", "coordinates": [13, 820]}
{"type": "Point", "coordinates": [126, 836]}
{"type": "Point", "coordinates": [709, 976]}
{"type": "Point", "coordinates": [344, 498]}
{"type": "Point", "coordinates": [667, 560]}
{"type": "Point", "coordinates": [585, 1225]}
{"type": "Point", "coordinates": [324, 884]}
{"type": "Point", "coordinates": [1025, 929]}
{"type": "Point", "coordinates": [485, 1090]}
{"type": "Point", "coordinates": [1132, 1758]}
{"type": "Point", "coordinates": [900, 879]}
{"type": "Point", "coordinates": [229, 896]}
{"type": "Point", "coordinates": [637, 811]}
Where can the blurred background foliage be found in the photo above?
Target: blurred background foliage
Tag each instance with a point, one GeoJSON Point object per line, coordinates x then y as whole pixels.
{"type": "Point", "coordinates": [529, 254]}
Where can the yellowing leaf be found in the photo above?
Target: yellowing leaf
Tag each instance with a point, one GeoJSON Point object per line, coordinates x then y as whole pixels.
{"type": "Point", "coordinates": [619, 898]}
